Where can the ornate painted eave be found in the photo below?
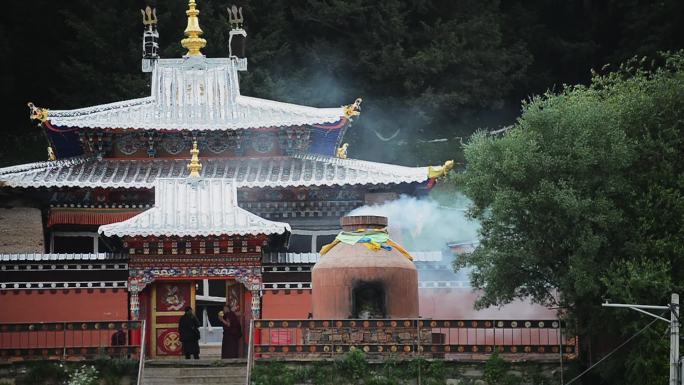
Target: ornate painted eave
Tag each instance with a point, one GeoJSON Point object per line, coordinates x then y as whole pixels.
{"type": "Point", "coordinates": [189, 207]}
{"type": "Point", "coordinates": [294, 171]}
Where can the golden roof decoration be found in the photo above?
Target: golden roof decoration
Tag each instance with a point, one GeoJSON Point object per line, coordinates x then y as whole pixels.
{"type": "Point", "coordinates": [353, 110]}
{"type": "Point", "coordinates": [193, 42]}
{"type": "Point", "coordinates": [37, 113]}
{"type": "Point", "coordinates": [439, 171]}
{"type": "Point", "coordinates": [194, 166]}
{"type": "Point", "coordinates": [342, 151]}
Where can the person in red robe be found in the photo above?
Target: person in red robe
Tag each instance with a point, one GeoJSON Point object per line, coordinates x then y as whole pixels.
{"type": "Point", "coordinates": [232, 332]}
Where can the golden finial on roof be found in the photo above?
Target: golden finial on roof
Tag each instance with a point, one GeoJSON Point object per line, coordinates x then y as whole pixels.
{"type": "Point", "coordinates": [193, 42]}
{"type": "Point", "coordinates": [194, 166]}
{"type": "Point", "coordinates": [37, 113]}
{"type": "Point", "coordinates": [440, 171]}
{"type": "Point", "coordinates": [353, 110]}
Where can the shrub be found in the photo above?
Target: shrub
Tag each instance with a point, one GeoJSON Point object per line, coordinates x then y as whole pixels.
{"type": "Point", "coordinates": [85, 375]}
{"type": "Point", "coordinates": [353, 365]}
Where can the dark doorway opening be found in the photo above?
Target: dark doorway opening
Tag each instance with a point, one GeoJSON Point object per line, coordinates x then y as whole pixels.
{"type": "Point", "coordinates": [368, 300]}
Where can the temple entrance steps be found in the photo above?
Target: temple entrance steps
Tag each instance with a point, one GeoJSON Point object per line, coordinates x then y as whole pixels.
{"type": "Point", "coordinates": [195, 372]}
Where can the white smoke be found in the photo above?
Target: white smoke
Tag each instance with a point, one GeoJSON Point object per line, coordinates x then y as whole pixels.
{"type": "Point", "coordinates": [423, 224]}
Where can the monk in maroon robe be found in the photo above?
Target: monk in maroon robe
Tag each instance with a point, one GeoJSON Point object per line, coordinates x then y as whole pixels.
{"type": "Point", "coordinates": [232, 332]}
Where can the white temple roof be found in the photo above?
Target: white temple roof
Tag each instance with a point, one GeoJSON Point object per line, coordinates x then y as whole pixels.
{"type": "Point", "coordinates": [195, 93]}
{"type": "Point", "coordinates": [194, 207]}
{"type": "Point", "coordinates": [292, 171]}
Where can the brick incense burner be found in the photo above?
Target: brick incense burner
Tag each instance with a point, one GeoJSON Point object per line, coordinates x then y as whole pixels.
{"type": "Point", "coordinates": [352, 281]}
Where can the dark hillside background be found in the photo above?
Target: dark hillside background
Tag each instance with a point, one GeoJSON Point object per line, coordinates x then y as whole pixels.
{"type": "Point", "coordinates": [431, 72]}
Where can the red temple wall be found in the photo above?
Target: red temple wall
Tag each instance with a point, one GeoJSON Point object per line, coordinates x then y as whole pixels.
{"type": "Point", "coordinates": [279, 305]}
{"type": "Point", "coordinates": [433, 303]}
{"type": "Point", "coordinates": [64, 305]}
{"type": "Point", "coordinates": [458, 304]}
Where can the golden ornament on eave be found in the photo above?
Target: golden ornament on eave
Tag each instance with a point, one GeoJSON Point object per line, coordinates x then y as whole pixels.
{"type": "Point", "coordinates": [352, 110]}
{"type": "Point", "coordinates": [440, 171]}
{"type": "Point", "coordinates": [37, 113]}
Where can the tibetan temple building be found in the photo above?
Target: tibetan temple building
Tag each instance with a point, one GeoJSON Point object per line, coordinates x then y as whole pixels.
{"type": "Point", "coordinates": [196, 195]}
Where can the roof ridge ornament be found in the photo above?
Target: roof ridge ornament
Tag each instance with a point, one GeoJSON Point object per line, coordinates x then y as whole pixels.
{"type": "Point", "coordinates": [237, 36]}
{"type": "Point", "coordinates": [435, 172]}
{"type": "Point", "coordinates": [51, 154]}
{"type": "Point", "coordinates": [194, 166]}
{"type": "Point", "coordinates": [353, 110]}
{"type": "Point", "coordinates": [235, 18]}
{"type": "Point", "coordinates": [37, 113]}
{"type": "Point", "coordinates": [150, 41]}
{"type": "Point", "coordinates": [149, 15]}
{"type": "Point", "coordinates": [193, 42]}
{"type": "Point", "coordinates": [342, 151]}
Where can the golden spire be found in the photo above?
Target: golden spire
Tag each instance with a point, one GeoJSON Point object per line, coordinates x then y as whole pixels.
{"type": "Point", "coordinates": [193, 42]}
{"type": "Point", "coordinates": [194, 166]}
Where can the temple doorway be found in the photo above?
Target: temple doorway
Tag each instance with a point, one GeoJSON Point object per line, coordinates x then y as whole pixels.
{"type": "Point", "coordinates": [207, 297]}
{"type": "Point", "coordinates": [169, 300]}
{"type": "Point", "coordinates": [212, 295]}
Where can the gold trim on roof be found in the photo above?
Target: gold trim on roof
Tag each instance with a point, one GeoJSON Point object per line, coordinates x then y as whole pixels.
{"type": "Point", "coordinates": [193, 42]}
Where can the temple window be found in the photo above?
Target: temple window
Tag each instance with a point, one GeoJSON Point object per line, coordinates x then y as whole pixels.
{"type": "Point", "coordinates": [76, 242]}
{"type": "Point", "coordinates": [307, 241]}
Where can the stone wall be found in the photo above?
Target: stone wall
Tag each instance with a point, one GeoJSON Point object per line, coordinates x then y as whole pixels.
{"type": "Point", "coordinates": [21, 230]}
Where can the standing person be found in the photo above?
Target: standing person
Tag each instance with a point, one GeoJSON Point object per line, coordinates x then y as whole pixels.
{"type": "Point", "coordinates": [232, 332]}
{"type": "Point", "coordinates": [188, 328]}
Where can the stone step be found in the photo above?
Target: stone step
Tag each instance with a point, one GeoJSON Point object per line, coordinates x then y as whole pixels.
{"type": "Point", "coordinates": [192, 380]}
{"type": "Point", "coordinates": [203, 362]}
{"type": "Point", "coordinates": [173, 372]}
{"type": "Point", "coordinates": [199, 372]}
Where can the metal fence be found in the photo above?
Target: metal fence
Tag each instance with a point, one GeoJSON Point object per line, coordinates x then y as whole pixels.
{"type": "Point", "coordinates": [415, 337]}
{"type": "Point", "coordinates": [62, 340]}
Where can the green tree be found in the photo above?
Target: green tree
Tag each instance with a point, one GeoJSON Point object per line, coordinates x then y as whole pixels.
{"type": "Point", "coordinates": [583, 200]}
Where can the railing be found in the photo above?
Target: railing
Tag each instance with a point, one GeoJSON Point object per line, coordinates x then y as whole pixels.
{"type": "Point", "coordinates": [141, 361]}
{"type": "Point", "coordinates": [73, 339]}
{"type": "Point", "coordinates": [311, 339]}
{"type": "Point", "coordinates": [250, 353]}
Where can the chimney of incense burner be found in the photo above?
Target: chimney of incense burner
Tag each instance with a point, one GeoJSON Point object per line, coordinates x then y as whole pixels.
{"type": "Point", "coordinates": [353, 223]}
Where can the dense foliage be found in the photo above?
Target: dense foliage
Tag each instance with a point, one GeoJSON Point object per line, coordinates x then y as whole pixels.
{"type": "Point", "coordinates": [354, 368]}
{"type": "Point", "coordinates": [105, 371]}
{"type": "Point", "coordinates": [582, 201]}
{"type": "Point", "coordinates": [428, 69]}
